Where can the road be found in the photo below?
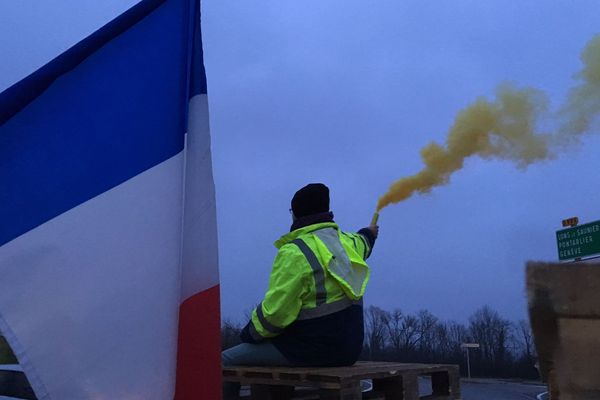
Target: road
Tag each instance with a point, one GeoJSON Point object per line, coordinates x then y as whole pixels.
{"type": "Point", "coordinates": [12, 382]}
{"type": "Point", "coordinates": [495, 390]}
{"type": "Point", "coordinates": [491, 389]}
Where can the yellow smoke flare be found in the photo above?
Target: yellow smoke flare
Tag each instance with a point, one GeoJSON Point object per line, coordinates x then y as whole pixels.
{"type": "Point", "coordinates": [506, 129]}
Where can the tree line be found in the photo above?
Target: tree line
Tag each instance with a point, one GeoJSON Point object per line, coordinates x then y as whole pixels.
{"type": "Point", "coordinates": [506, 348]}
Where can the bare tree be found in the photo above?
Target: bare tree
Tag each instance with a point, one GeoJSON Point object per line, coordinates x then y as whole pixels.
{"type": "Point", "coordinates": [442, 343]}
{"type": "Point", "coordinates": [394, 329]}
{"type": "Point", "coordinates": [376, 321]}
{"type": "Point", "coordinates": [409, 334]}
{"type": "Point", "coordinates": [493, 333]}
{"type": "Point", "coordinates": [230, 334]}
{"type": "Point", "coordinates": [426, 330]}
{"type": "Point", "coordinates": [526, 338]}
{"type": "Point", "coordinates": [457, 334]}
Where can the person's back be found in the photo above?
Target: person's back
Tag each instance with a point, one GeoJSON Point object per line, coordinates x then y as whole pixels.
{"type": "Point", "coordinates": [312, 312]}
{"type": "Point", "coordinates": [328, 328]}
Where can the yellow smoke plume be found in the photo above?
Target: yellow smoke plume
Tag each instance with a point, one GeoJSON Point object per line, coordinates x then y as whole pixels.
{"type": "Point", "coordinates": [505, 128]}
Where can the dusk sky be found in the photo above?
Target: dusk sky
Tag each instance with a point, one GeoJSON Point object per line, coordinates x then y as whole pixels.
{"type": "Point", "coordinates": [346, 93]}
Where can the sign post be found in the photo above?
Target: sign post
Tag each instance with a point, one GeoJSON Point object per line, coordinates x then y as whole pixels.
{"type": "Point", "coordinates": [468, 346]}
{"type": "Point", "coordinates": [579, 241]}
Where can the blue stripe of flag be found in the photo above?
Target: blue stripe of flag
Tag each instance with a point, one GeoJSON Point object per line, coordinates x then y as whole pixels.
{"type": "Point", "coordinates": [16, 97]}
{"type": "Point", "coordinates": [117, 112]}
{"type": "Point", "coordinates": [198, 75]}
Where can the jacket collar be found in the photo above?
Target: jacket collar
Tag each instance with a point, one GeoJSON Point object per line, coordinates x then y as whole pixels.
{"type": "Point", "coordinates": [295, 234]}
{"type": "Point", "coordinates": [312, 219]}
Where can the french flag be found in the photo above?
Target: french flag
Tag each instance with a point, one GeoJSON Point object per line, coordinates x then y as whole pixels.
{"type": "Point", "coordinates": [109, 285]}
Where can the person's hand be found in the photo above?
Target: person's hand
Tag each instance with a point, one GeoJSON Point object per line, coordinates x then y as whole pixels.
{"type": "Point", "coordinates": [374, 230]}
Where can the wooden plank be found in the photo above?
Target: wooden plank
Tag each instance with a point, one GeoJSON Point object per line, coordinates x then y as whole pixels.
{"type": "Point", "coordinates": [454, 375]}
{"type": "Point", "coordinates": [252, 381]}
{"type": "Point", "coordinates": [410, 386]}
{"type": "Point", "coordinates": [357, 367]}
{"type": "Point", "coordinates": [292, 376]}
{"type": "Point", "coordinates": [348, 391]}
{"type": "Point", "coordinates": [358, 371]}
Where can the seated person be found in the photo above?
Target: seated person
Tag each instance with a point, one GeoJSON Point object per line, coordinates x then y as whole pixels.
{"type": "Point", "coordinates": [312, 312]}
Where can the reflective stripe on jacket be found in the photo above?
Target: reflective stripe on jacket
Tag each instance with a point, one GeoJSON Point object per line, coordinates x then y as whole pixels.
{"type": "Point", "coordinates": [318, 270]}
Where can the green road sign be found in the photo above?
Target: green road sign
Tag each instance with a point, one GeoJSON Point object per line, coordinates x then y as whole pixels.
{"type": "Point", "coordinates": [578, 242]}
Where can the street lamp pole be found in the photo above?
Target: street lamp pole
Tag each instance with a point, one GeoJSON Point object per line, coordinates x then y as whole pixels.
{"type": "Point", "coordinates": [468, 346]}
{"type": "Point", "coordinates": [468, 364]}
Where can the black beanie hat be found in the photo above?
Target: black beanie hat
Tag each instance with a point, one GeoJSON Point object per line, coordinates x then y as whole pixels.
{"type": "Point", "coordinates": [311, 199]}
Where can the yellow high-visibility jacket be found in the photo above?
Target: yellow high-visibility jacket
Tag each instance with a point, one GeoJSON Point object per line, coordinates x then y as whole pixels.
{"type": "Point", "coordinates": [318, 271]}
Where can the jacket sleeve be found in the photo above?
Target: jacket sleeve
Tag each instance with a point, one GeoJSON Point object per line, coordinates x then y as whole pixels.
{"type": "Point", "coordinates": [288, 285]}
{"type": "Point", "coordinates": [362, 241]}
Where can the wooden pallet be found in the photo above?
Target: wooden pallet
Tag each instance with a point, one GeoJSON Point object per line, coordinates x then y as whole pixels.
{"type": "Point", "coordinates": [564, 309]}
{"type": "Point", "coordinates": [391, 381]}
